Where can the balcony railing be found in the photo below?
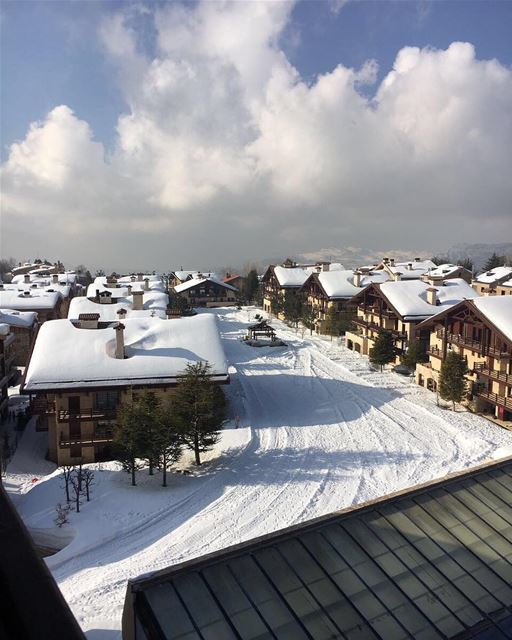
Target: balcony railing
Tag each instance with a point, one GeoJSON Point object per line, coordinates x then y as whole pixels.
{"type": "Point", "coordinates": [498, 376]}
{"type": "Point", "coordinates": [104, 437]}
{"type": "Point", "coordinates": [64, 415]}
{"type": "Point", "coordinates": [436, 352]}
{"type": "Point", "coordinates": [471, 343]}
{"type": "Point", "coordinates": [43, 407]}
{"type": "Point", "coordinates": [501, 401]}
{"type": "Point", "coordinates": [400, 335]}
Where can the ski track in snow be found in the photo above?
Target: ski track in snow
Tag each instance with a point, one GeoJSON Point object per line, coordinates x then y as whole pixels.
{"type": "Point", "coordinates": [326, 432]}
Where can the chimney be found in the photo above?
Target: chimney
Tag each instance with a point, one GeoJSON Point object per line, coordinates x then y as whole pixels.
{"type": "Point", "coordinates": [55, 278]}
{"type": "Point", "coordinates": [97, 297]}
{"type": "Point", "coordinates": [129, 287]}
{"type": "Point", "coordinates": [326, 266]}
{"type": "Point", "coordinates": [88, 320]}
{"type": "Point", "coordinates": [391, 262]}
{"type": "Point", "coordinates": [432, 296]}
{"type": "Point", "coordinates": [417, 259]}
{"type": "Point", "coordinates": [357, 278]}
{"type": "Point", "coordinates": [385, 260]}
{"type": "Point", "coordinates": [26, 278]}
{"type": "Point", "coordinates": [398, 276]}
{"type": "Point", "coordinates": [121, 314]}
{"type": "Point", "coordinates": [139, 277]}
{"type": "Point", "coordinates": [119, 328]}
{"type": "Point", "coordinates": [1, 286]}
{"type": "Point", "coordinates": [132, 278]}
{"type": "Point", "coordinates": [409, 266]}
{"type": "Point", "coordinates": [138, 298]}
{"type": "Point", "coordinates": [146, 284]}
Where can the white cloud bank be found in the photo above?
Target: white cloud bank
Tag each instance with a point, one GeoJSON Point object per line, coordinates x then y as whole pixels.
{"type": "Point", "coordinates": [226, 153]}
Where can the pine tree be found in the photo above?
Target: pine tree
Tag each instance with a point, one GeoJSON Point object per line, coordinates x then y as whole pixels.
{"type": "Point", "coordinates": [415, 353]}
{"type": "Point", "coordinates": [308, 318]}
{"type": "Point", "coordinates": [168, 440]}
{"type": "Point", "coordinates": [384, 350]}
{"type": "Point", "coordinates": [199, 409]}
{"type": "Point", "coordinates": [147, 408]}
{"type": "Point", "coordinates": [452, 383]}
{"type": "Point", "coordinates": [251, 285]}
{"type": "Point", "coordinates": [292, 307]}
{"type": "Point", "coordinates": [467, 263]}
{"type": "Point", "coordinates": [494, 261]}
{"type": "Point", "coordinates": [128, 439]}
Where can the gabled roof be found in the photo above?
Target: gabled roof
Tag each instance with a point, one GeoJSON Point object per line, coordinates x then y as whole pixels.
{"type": "Point", "coordinates": [154, 303]}
{"type": "Point", "coordinates": [291, 276]}
{"type": "Point", "coordinates": [494, 275]}
{"type": "Point", "coordinates": [16, 318]}
{"type": "Point", "coordinates": [195, 282]}
{"type": "Point", "coordinates": [339, 284]}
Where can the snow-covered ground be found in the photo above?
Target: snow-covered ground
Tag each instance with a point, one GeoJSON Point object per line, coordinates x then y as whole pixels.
{"type": "Point", "coordinates": [319, 430]}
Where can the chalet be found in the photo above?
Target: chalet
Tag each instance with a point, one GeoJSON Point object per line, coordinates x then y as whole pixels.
{"type": "Point", "coordinates": [278, 280]}
{"type": "Point", "coordinates": [7, 369]}
{"type": "Point", "coordinates": [23, 325]}
{"type": "Point", "coordinates": [446, 272]}
{"type": "Point", "coordinates": [410, 270]}
{"type": "Point", "coordinates": [79, 375]}
{"type": "Point", "coordinates": [398, 307]}
{"type": "Point", "coordinates": [505, 288]}
{"type": "Point", "coordinates": [486, 283]}
{"type": "Point", "coordinates": [202, 291]}
{"type": "Point", "coordinates": [481, 331]}
{"type": "Point", "coordinates": [178, 277]}
{"type": "Point", "coordinates": [236, 281]}
{"type": "Point", "coordinates": [335, 289]}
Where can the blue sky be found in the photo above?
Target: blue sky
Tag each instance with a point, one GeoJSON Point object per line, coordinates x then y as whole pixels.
{"type": "Point", "coordinates": [51, 54]}
{"type": "Point", "coordinates": [163, 118]}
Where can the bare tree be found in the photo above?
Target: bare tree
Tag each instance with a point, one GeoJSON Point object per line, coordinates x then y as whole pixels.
{"type": "Point", "coordinates": [88, 481]}
{"type": "Point", "coordinates": [67, 470]}
{"type": "Point", "coordinates": [76, 485]}
{"type": "Point", "coordinates": [62, 514]}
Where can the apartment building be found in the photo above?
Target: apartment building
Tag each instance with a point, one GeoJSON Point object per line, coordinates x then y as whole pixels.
{"type": "Point", "coordinates": [481, 331]}
{"type": "Point", "coordinates": [277, 280]}
{"type": "Point", "coordinates": [48, 302]}
{"type": "Point", "coordinates": [203, 291]}
{"type": "Point", "coordinates": [81, 372]}
{"type": "Point", "coordinates": [23, 325]}
{"type": "Point", "coordinates": [398, 307]}
{"type": "Point", "coordinates": [7, 368]}
{"type": "Point", "coordinates": [487, 283]}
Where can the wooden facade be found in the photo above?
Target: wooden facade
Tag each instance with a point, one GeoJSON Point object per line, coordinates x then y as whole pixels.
{"type": "Point", "coordinates": [317, 299]}
{"type": "Point", "coordinates": [466, 330]}
{"type": "Point", "coordinates": [7, 369]}
{"type": "Point", "coordinates": [210, 293]}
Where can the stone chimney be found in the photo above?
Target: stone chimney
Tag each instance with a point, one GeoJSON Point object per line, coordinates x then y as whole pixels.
{"type": "Point", "coordinates": [357, 278]}
{"type": "Point", "coordinates": [432, 296]}
{"type": "Point", "coordinates": [119, 329]}
{"type": "Point", "coordinates": [55, 278]}
{"type": "Point", "coordinates": [409, 266]}
{"type": "Point", "coordinates": [133, 278]}
{"type": "Point", "coordinates": [417, 259]}
{"type": "Point", "coordinates": [1, 286]}
{"type": "Point", "coordinates": [26, 278]}
{"type": "Point", "coordinates": [146, 284]}
{"type": "Point", "coordinates": [385, 260]}
{"type": "Point", "coordinates": [138, 300]}
{"type": "Point", "coordinates": [326, 266]}
{"type": "Point", "coordinates": [398, 276]}
{"type": "Point", "coordinates": [391, 262]}
{"type": "Point", "coordinates": [121, 314]}
{"type": "Point", "coordinates": [139, 277]}
{"type": "Point", "coordinates": [88, 320]}
{"type": "Point", "coordinates": [129, 288]}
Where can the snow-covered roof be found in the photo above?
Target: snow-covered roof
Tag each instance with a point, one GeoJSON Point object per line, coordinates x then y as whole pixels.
{"type": "Point", "coordinates": [69, 277]}
{"type": "Point", "coordinates": [444, 270]}
{"type": "Point", "coordinates": [499, 311]}
{"type": "Point", "coordinates": [154, 303]}
{"type": "Point", "coordinates": [195, 282]}
{"type": "Point", "coordinates": [409, 297]}
{"type": "Point", "coordinates": [39, 286]}
{"type": "Point", "coordinates": [155, 283]}
{"type": "Point", "coordinates": [183, 275]}
{"type": "Point", "coordinates": [494, 275]}
{"type": "Point", "coordinates": [292, 276]}
{"type": "Point", "coordinates": [507, 283]}
{"type": "Point", "coordinates": [16, 318]}
{"type": "Point", "coordinates": [157, 351]}
{"type": "Point", "coordinates": [412, 269]}
{"type": "Point", "coordinates": [340, 284]}
{"type": "Point", "coordinates": [12, 298]}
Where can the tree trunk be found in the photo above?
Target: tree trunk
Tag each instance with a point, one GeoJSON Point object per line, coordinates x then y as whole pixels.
{"type": "Point", "coordinates": [78, 503]}
{"type": "Point", "coordinates": [66, 480]}
{"type": "Point", "coordinates": [196, 449]}
{"type": "Point", "coordinates": [133, 472]}
{"type": "Point", "coordinates": [164, 475]}
{"type": "Point", "coordinates": [150, 467]}
{"type": "Point", "coordinates": [87, 492]}
{"type": "Point", "coordinates": [453, 401]}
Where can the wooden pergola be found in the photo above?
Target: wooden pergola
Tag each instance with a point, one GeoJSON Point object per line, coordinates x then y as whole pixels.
{"type": "Point", "coordinates": [261, 329]}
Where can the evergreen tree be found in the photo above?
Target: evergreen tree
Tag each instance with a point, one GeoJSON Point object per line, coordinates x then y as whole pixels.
{"type": "Point", "coordinates": [437, 260]}
{"type": "Point", "coordinates": [147, 408]}
{"type": "Point", "coordinates": [467, 263]}
{"type": "Point", "coordinates": [292, 307]}
{"type": "Point", "coordinates": [308, 318]}
{"type": "Point", "coordinates": [128, 439]}
{"type": "Point", "coordinates": [415, 353]}
{"type": "Point", "coordinates": [199, 409]}
{"type": "Point", "coordinates": [276, 304]}
{"type": "Point", "coordinates": [251, 285]}
{"type": "Point", "coordinates": [452, 383]}
{"type": "Point", "coordinates": [494, 261]}
{"type": "Point", "coordinates": [384, 350]}
{"type": "Point", "coordinates": [169, 441]}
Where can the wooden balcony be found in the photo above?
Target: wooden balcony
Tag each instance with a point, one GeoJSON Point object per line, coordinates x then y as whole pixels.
{"type": "Point", "coordinates": [64, 415]}
{"type": "Point", "coordinates": [105, 437]}
{"type": "Point", "coordinates": [399, 335]}
{"type": "Point", "coordinates": [501, 401]}
{"type": "Point", "coordinates": [498, 376]}
{"type": "Point", "coordinates": [43, 407]}
{"type": "Point", "coordinates": [435, 352]}
{"type": "Point", "coordinates": [471, 343]}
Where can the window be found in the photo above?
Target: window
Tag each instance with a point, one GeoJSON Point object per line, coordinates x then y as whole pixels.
{"type": "Point", "coordinates": [107, 399]}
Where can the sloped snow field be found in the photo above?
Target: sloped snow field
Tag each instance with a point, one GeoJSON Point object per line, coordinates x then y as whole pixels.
{"type": "Point", "coordinates": [319, 430]}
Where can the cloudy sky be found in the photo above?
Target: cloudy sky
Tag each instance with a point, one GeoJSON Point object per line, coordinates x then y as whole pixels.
{"type": "Point", "coordinates": [164, 134]}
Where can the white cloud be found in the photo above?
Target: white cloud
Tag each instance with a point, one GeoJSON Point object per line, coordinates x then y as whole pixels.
{"type": "Point", "coordinates": [222, 134]}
